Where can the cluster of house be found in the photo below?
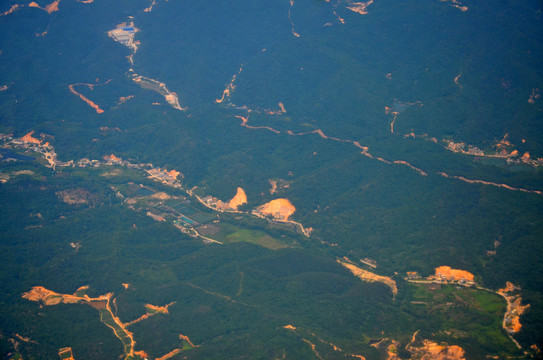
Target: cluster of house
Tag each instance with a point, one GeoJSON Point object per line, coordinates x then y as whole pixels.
{"type": "Point", "coordinates": [167, 177]}
{"type": "Point", "coordinates": [445, 275]}
{"type": "Point", "coordinates": [511, 157]}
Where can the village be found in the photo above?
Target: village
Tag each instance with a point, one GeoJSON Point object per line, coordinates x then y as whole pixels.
{"type": "Point", "coordinates": [503, 150]}
{"type": "Point", "coordinates": [159, 206]}
{"type": "Point", "coordinates": [446, 275]}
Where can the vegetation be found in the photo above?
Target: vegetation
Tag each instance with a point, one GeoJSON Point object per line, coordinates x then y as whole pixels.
{"type": "Point", "coordinates": [234, 299]}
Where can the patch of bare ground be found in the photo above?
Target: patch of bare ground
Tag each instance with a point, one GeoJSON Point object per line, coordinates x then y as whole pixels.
{"type": "Point", "coordinates": [12, 9]}
{"type": "Point", "coordinates": [368, 276]}
{"type": "Point", "coordinates": [84, 98]}
{"type": "Point", "coordinates": [445, 272]}
{"type": "Point", "coordinates": [177, 351]}
{"type": "Point", "coordinates": [151, 311]}
{"type": "Point", "coordinates": [511, 319]}
{"type": "Point", "coordinates": [77, 196]}
{"type": "Point", "coordinates": [429, 350]}
{"type": "Point", "coordinates": [169, 355]}
{"type": "Point", "coordinates": [457, 4]}
{"type": "Point", "coordinates": [280, 209]}
{"type": "Point", "coordinates": [360, 7]}
{"type": "Point", "coordinates": [239, 199]}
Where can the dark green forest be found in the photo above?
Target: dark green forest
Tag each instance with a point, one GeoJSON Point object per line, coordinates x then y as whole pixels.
{"type": "Point", "coordinates": [427, 70]}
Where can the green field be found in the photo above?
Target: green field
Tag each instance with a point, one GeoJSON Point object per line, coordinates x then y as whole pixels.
{"type": "Point", "coordinates": [232, 234]}
{"type": "Point", "coordinates": [464, 314]}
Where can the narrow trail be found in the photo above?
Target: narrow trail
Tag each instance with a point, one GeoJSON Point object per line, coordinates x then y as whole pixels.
{"type": "Point", "coordinates": [225, 297]}
{"type": "Point", "coordinates": [241, 278]}
{"type": "Point", "coordinates": [84, 98]}
{"type": "Point", "coordinates": [334, 347]}
{"type": "Point", "coordinates": [290, 19]}
{"type": "Point", "coordinates": [230, 87]}
{"type": "Point", "coordinates": [483, 182]}
{"type": "Point", "coordinates": [101, 303]}
{"type": "Point", "coordinates": [244, 121]}
{"type": "Point", "coordinates": [365, 152]}
{"type": "Point", "coordinates": [456, 81]}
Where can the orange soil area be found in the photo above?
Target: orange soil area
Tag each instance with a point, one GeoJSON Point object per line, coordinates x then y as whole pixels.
{"type": "Point", "coordinates": [11, 10]}
{"type": "Point", "coordinates": [126, 286]}
{"type": "Point", "coordinates": [81, 288]}
{"type": "Point", "coordinates": [280, 209]}
{"type": "Point", "coordinates": [509, 287]}
{"type": "Point", "coordinates": [392, 351]}
{"type": "Point", "coordinates": [141, 318]}
{"type": "Point", "coordinates": [85, 1]}
{"type": "Point", "coordinates": [289, 327]}
{"type": "Point", "coordinates": [160, 309]}
{"type": "Point", "coordinates": [173, 173]}
{"type": "Point", "coordinates": [515, 309]}
{"type": "Point", "coordinates": [111, 158]}
{"type": "Point", "coordinates": [85, 99]}
{"type": "Point", "coordinates": [150, 8]}
{"type": "Point", "coordinates": [456, 274]}
{"type": "Point", "coordinates": [52, 7]}
{"type": "Point", "coordinates": [239, 199]}
{"type": "Point", "coordinates": [157, 309]}
{"type": "Point", "coordinates": [186, 338]}
{"type": "Point", "coordinates": [339, 18]}
{"type": "Point", "coordinates": [48, 297]}
{"type": "Point", "coordinates": [432, 351]}
{"type": "Point", "coordinates": [368, 276]}
{"type": "Point", "coordinates": [124, 99]}
{"type": "Point", "coordinates": [169, 355]}
{"type": "Point", "coordinates": [515, 324]}
{"type": "Point", "coordinates": [273, 184]}
{"type": "Point", "coordinates": [505, 186]}
{"type": "Point", "coordinates": [28, 138]}
{"type": "Point", "coordinates": [141, 354]}
{"type": "Point", "coordinates": [360, 7]}
{"type": "Point", "coordinates": [526, 156]}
